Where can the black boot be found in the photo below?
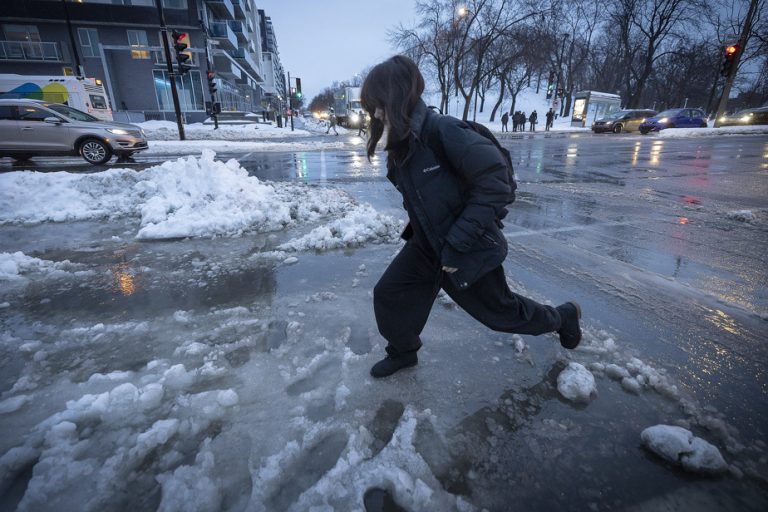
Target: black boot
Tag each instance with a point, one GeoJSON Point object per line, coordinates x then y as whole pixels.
{"type": "Point", "coordinates": [570, 332]}
{"type": "Point", "coordinates": [393, 363]}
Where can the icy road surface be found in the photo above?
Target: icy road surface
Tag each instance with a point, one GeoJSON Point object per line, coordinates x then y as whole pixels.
{"type": "Point", "coordinates": [189, 337]}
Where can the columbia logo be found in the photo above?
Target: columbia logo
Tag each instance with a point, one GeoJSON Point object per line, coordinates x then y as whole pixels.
{"type": "Point", "coordinates": [430, 169]}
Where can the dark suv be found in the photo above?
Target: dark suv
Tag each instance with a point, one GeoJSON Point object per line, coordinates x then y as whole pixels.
{"type": "Point", "coordinates": [35, 128]}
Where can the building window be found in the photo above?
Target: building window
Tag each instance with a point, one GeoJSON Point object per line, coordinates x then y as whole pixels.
{"type": "Point", "coordinates": [22, 41]}
{"type": "Point", "coordinates": [175, 4]}
{"type": "Point", "coordinates": [139, 44]}
{"type": "Point", "coordinates": [189, 86]}
{"type": "Point", "coordinates": [89, 41]}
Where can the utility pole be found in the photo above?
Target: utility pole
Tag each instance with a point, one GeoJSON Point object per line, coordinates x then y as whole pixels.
{"type": "Point", "coordinates": [171, 74]}
{"type": "Point", "coordinates": [290, 100]}
{"type": "Point", "coordinates": [745, 30]}
{"type": "Point", "coordinates": [79, 71]}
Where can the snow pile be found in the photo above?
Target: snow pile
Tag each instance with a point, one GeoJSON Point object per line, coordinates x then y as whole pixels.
{"type": "Point", "coordinates": [143, 432]}
{"type": "Point", "coordinates": [576, 383]}
{"type": "Point", "coordinates": [189, 197]}
{"type": "Point", "coordinates": [361, 224]}
{"type": "Point", "coordinates": [167, 130]}
{"type": "Point", "coordinates": [681, 447]}
{"type": "Point", "coordinates": [16, 265]}
{"type": "Point", "coordinates": [713, 132]}
{"type": "Point", "coordinates": [742, 216]}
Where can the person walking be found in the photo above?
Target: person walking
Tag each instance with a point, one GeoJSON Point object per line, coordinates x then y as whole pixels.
{"type": "Point", "coordinates": [363, 124]}
{"type": "Point", "coordinates": [532, 119]}
{"type": "Point", "coordinates": [523, 119]}
{"type": "Point", "coordinates": [455, 190]}
{"type": "Point", "coordinates": [332, 123]}
{"type": "Point", "coordinates": [550, 119]}
{"type": "Point", "coordinates": [504, 121]}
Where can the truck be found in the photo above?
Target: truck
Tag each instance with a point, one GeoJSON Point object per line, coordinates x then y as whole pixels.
{"type": "Point", "coordinates": [347, 106]}
{"type": "Point", "coordinates": [86, 94]}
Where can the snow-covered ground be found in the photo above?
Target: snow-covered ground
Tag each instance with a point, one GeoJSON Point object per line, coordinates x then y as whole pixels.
{"type": "Point", "coordinates": [265, 404]}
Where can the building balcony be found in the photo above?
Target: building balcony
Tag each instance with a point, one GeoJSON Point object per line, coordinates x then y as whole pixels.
{"type": "Point", "coordinates": [225, 66]}
{"type": "Point", "coordinates": [226, 37]}
{"type": "Point", "coordinates": [246, 60]}
{"type": "Point", "coordinates": [239, 6]}
{"type": "Point", "coordinates": [31, 51]}
{"type": "Point", "coordinates": [238, 27]}
{"type": "Point", "coordinates": [223, 9]}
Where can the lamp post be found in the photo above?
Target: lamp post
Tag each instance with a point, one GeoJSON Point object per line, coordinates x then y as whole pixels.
{"type": "Point", "coordinates": [560, 58]}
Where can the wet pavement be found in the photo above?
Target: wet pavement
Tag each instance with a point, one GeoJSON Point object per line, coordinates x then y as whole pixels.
{"type": "Point", "coordinates": [647, 234]}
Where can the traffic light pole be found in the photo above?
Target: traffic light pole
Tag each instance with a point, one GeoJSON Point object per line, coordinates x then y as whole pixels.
{"type": "Point", "coordinates": [208, 71]}
{"type": "Point", "coordinates": [745, 30]}
{"type": "Point", "coordinates": [171, 74]}
{"type": "Point", "coordinates": [290, 99]}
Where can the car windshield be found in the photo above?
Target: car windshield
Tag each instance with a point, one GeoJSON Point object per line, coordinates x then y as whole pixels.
{"type": "Point", "coordinates": [669, 113]}
{"type": "Point", "coordinates": [71, 113]}
{"type": "Point", "coordinates": [615, 115]}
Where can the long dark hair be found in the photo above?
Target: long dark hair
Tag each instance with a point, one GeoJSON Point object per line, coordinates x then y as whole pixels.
{"type": "Point", "coordinates": [395, 86]}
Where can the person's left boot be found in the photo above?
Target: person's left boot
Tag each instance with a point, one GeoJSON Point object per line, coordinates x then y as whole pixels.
{"type": "Point", "coordinates": [570, 331]}
{"type": "Point", "coordinates": [394, 363]}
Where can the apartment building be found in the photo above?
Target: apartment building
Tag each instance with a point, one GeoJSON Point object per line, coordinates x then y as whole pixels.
{"type": "Point", "coordinates": [119, 42]}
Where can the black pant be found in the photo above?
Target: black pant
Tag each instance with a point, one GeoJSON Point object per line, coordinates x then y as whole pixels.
{"type": "Point", "coordinates": [403, 298]}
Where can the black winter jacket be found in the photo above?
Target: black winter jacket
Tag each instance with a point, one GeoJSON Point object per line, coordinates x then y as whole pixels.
{"type": "Point", "coordinates": [459, 198]}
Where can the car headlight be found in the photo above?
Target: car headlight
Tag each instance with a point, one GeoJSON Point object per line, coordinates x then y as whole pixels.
{"type": "Point", "coordinates": [722, 119]}
{"type": "Point", "coordinates": [745, 119]}
{"type": "Point", "coordinates": [664, 120]}
{"type": "Point", "coordinates": [143, 134]}
{"type": "Point", "coordinates": [355, 118]}
{"type": "Point", "coordinates": [117, 131]}
{"type": "Point", "coordinates": [642, 120]}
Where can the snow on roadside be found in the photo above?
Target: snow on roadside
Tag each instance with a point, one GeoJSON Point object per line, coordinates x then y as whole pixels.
{"type": "Point", "coordinates": [713, 132]}
{"type": "Point", "coordinates": [188, 197]}
{"type": "Point", "coordinates": [17, 265]}
{"type": "Point", "coordinates": [197, 147]}
{"type": "Point", "coordinates": [167, 130]}
{"type": "Point", "coordinates": [681, 447]}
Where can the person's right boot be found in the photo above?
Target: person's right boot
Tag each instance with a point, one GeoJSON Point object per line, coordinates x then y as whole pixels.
{"type": "Point", "coordinates": [570, 331]}
{"type": "Point", "coordinates": [394, 363]}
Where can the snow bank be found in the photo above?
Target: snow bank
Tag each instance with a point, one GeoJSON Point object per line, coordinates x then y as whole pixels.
{"type": "Point", "coordinates": [188, 197]}
{"type": "Point", "coordinates": [713, 132]}
{"type": "Point", "coordinates": [167, 130]}
{"type": "Point", "coordinates": [681, 447]}
{"type": "Point", "coordinates": [195, 147]}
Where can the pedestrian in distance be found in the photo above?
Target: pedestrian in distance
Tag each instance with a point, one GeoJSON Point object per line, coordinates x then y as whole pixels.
{"type": "Point", "coordinates": [363, 124]}
{"type": "Point", "coordinates": [332, 123]}
{"type": "Point", "coordinates": [550, 119]}
{"type": "Point", "coordinates": [504, 121]}
{"type": "Point", "coordinates": [523, 119]}
{"type": "Point", "coordinates": [532, 119]}
{"type": "Point", "coordinates": [455, 187]}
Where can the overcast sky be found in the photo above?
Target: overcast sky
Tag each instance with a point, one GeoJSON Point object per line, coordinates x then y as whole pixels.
{"type": "Point", "coordinates": [325, 40]}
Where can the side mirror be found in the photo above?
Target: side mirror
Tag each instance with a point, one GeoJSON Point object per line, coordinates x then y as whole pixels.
{"type": "Point", "coordinates": [52, 120]}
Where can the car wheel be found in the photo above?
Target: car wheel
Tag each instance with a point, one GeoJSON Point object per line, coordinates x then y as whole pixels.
{"type": "Point", "coordinates": [671, 125]}
{"type": "Point", "coordinates": [21, 157]}
{"type": "Point", "coordinates": [618, 128]}
{"type": "Point", "coordinates": [95, 152]}
{"type": "Point", "coordinates": [644, 131]}
{"type": "Point", "coordinates": [704, 124]}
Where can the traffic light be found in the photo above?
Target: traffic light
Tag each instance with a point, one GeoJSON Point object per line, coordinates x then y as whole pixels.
{"type": "Point", "coordinates": [211, 82]}
{"type": "Point", "coordinates": [298, 88]}
{"type": "Point", "coordinates": [181, 43]}
{"type": "Point", "coordinates": [729, 58]}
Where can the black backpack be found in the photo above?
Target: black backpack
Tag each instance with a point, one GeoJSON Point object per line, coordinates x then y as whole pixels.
{"type": "Point", "coordinates": [485, 132]}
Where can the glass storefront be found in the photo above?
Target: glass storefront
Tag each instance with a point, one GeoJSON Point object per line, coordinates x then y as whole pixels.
{"type": "Point", "coordinates": [189, 87]}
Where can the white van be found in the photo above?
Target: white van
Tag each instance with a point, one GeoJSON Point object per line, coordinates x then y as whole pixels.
{"type": "Point", "coordinates": [86, 94]}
